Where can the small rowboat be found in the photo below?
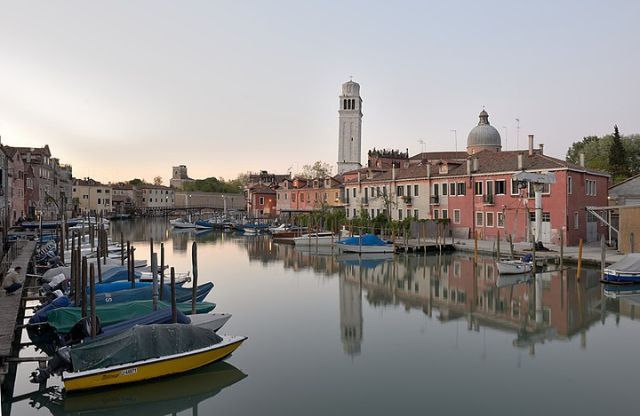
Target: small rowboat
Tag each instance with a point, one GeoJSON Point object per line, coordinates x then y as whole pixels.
{"type": "Point", "coordinates": [625, 271]}
{"type": "Point", "coordinates": [320, 239]}
{"type": "Point", "coordinates": [514, 266]}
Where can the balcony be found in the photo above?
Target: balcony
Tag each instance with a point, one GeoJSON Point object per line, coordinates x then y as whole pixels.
{"type": "Point", "coordinates": [435, 200]}
{"type": "Point", "coordinates": [488, 199]}
{"type": "Point", "coordinates": [407, 200]}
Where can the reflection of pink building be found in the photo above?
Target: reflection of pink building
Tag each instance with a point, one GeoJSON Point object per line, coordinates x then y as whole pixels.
{"type": "Point", "coordinates": [16, 185]}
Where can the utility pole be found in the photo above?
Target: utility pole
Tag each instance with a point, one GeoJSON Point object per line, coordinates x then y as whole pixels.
{"type": "Point", "coordinates": [517, 133]}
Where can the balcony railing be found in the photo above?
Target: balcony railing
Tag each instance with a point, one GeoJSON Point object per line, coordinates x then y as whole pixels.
{"type": "Point", "coordinates": [435, 200]}
{"type": "Point", "coordinates": [407, 200]}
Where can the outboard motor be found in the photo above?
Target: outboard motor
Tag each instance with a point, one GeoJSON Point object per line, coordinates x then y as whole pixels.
{"type": "Point", "coordinates": [60, 362]}
{"type": "Point", "coordinates": [81, 330]}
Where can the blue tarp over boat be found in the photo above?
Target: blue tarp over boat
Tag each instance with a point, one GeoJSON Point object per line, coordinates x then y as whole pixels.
{"type": "Point", "coordinates": [43, 313]}
{"type": "Point", "coordinates": [116, 274]}
{"type": "Point", "coordinates": [365, 240]}
{"type": "Point", "coordinates": [116, 286]}
{"type": "Point", "coordinates": [162, 316]}
{"type": "Point", "coordinates": [183, 294]}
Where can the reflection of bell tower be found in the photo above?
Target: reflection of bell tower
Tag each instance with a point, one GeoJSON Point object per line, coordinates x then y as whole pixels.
{"type": "Point", "coordinates": [350, 316]}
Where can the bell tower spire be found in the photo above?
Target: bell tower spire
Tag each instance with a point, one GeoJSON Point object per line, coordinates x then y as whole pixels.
{"type": "Point", "coordinates": [350, 127]}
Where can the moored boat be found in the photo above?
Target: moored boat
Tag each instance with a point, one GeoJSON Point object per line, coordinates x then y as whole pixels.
{"type": "Point", "coordinates": [625, 271]}
{"type": "Point", "coordinates": [506, 266]}
{"type": "Point", "coordinates": [143, 352]}
{"type": "Point", "coordinates": [321, 238]}
{"type": "Point", "coordinates": [367, 243]}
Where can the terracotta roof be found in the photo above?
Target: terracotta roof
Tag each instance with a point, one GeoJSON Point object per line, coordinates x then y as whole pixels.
{"type": "Point", "coordinates": [440, 155]}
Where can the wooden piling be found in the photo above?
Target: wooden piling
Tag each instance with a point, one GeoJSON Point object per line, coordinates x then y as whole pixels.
{"type": "Point", "coordinates": [133, 267]}
{"type": "Point", "coordinates": [154, 276]}
{"type": "Point", "coordinates": [475, 247]}
{"type": "Point", "coordinates": [129, 260]}
{"type": "Point", "coordinates": [174, 310]}
{"type": "Point", "coordinates": [498, 246]}
{"type": "Point", "coordinates": [511, 247]}
{"type": "Point", "coordinates": [561, 249]}
{"type": "Point", "coordinates": [83, 295]}
{"type": "Point", "coordinates": [194, 265]}
{"type": "Point", "coordinates": [99, 270]}
{"type": "Point", "coordinates": [161, 271]}
{"type": "Point", "coordinates": [92, 299]}
{"type": "Point", "coordinates": [121, 249]}
{"type": "Point", "coordinates": [579, 259]}
{"type": "Point", "coordinates": [632, 242]}
{"type": "Point", "coordinates": [603, 255]}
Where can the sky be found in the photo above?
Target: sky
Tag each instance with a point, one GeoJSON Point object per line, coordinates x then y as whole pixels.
{"type": "Point", "coordinates": [125, 89]}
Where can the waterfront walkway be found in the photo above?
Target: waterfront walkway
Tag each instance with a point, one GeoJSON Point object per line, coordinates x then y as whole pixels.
{"type": "Point", "coordinates": [10, 304]}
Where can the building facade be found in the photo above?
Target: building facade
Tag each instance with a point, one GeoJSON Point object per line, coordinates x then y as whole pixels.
{"type": "Point", "coordinates": [156, 196]}
{"type": "Point", "coordinates": [303, 195]}
{"type": "Point", "coordinates": [211, 200]}
{"type": "Point", "coordinates": [91, 197]}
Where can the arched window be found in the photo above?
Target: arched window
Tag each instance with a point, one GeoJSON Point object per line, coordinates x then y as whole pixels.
{"type": "Point", "coordinates": [345, 104]}
{"type": "Point", "coordinates": [353, 104]}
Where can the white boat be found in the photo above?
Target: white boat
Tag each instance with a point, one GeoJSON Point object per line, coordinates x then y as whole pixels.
{"type": "Point", "coordinates": [181, 223]}
{"type": "Point", "coordinates": [320, 239]}
{"type": "Point", "coordinates": [280, 228]}
{"type": "Point", "coordinates": [211, 321]}
{"type": "Point", "coordinates": [250, 231]}
{"type": "Point", "coordinates": [514, 266]}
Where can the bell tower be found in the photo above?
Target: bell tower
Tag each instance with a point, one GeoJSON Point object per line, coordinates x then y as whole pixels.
{"type": "Point", "coordinates": [350, 127]}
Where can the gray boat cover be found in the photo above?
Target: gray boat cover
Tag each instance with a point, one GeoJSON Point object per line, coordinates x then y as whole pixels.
{"type": "Point", "coordinates": [142, 342]}
{"type": "Point", "coordinates": [629, 263]}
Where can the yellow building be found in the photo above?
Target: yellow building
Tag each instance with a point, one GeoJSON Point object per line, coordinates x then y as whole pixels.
{"type": "Point", "coordinates": [91, 196]}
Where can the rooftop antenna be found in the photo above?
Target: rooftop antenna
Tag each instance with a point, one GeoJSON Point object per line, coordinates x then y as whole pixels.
{"type": "Point", "coordinates": [455, 137]}
{"type": "Point", "coordinates": [422, 145]}
{"type": "Point", "coordinates": [517, 133]}
{"type": "Point", "coordinates": [506, 137]}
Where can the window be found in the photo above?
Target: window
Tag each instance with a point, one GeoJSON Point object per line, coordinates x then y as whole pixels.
{"type": "Point", "coordinates": [436, 187]}
{"type": "Point", "coordinates": [435, 214]}
{"type": "Point", "coordinates": [501, 187]}
{"type": "Point", "coordinates": [87, 197]}
{"type": "Point", "coordinates": [261, 200]}
{"type": "Point", "coordinates": [285, 196]}
{"type": "Point", "coordinates": [400, 214]}
{"type": "Point", "coordinates": [478, 188]}
{"type": "Point", "coordinates": [444, 189]}
{"type": "Point", "coordinates": [590, 187]}
{"type": "Point", "coordinates": [489, 219]}
{"type": "Point", "coordinates": [415, 190]}
{"type": "Point", "coordinates": [106, 191]}
{"type": "Point", "coordinates": [456, 216]}
{"type": "Point", "coordinates": [576, 220]}
{"type": "Point", "coordinates": [500, 217]}
{"type": "Point", "coordinates": [445, 214]}
{"type": "Point", "coordinates": [408, 190]}
{"type": "Point", "coordinates": [462, 189]}
{"type": "Point", "coordinates": [278, 196]}
{"type": "Point", "coordinates": [489, 188]}
{"type": "Point", "coordinates": [315, 197]}
{"type": "Point", "coordinates": [479, 219]}
{"type": "Point", "coordinates": [377, 191]}
{"type": "Point", "coordinates": [452, 189]}
{"type": "Point", "coordinates": [355, 213]}
{"type": "Point", "coordinates": [515, 189]}
{"type": "Point", "coordinates": [569, 185]}
{"type": "Point", "coordinates": [99, 201]}
{"type": "Point", "coordinates": [354, 192]}
{"type": "Point", "coordinates": [415, 213]}
{"type": "Point", "coordinates": [399, 190]}
{"type": "Point", "coordinates": [293, 197]}
{"type": "Point", "coordinates": [384, 190]}
{"type": "Point", "coordinates": [29, 183]}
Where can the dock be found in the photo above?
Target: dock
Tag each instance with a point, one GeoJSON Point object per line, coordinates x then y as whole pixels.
{"type": "Point", "coordinates": [12, 306]}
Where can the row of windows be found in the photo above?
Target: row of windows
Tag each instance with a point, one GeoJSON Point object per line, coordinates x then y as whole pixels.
{"type": "Point", "coordinates": [325, 196]}
{"type": "Point", "coordinates": [489, 219]}
{"type": "Point", "coordinates": [349, 104]}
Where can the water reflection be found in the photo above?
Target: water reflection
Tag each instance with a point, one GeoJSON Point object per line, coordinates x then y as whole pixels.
{"type": "Point", "coordinates": [165, 396]}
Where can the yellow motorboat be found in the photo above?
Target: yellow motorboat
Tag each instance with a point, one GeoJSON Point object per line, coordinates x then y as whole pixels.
{"type": "Point", "coordinates": [144, 352]}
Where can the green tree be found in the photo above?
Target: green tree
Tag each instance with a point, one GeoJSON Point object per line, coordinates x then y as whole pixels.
{"type": "Point", "coordinates": [212, 185]}
{"type": "Point", "coordinates": [136, 182]}
{"type": "Point", "coordinates": [596, 153]}
{"type": "Point", "coordinates": [318, 170]}
{"type": "Point", "coordinates": [618, 163]}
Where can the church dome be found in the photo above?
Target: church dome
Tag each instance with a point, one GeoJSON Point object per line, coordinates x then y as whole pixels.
{"type": "Point", "coordinates": [351, 88]}
{"type": "Point", "coordinates": [483, 136]}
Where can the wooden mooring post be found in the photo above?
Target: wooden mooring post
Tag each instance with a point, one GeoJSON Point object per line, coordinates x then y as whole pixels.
{"type": "Point", "coordinates": [603, 255]}
{"type": "Point", "coordinates": [121, 248]}
{"type": "Point", "coordinates": [92, 300]}
{"type": "Point", "coordinates": [154, 277]}
{"type": "Point", "coordinates": [498, 245]}
{"type": "Point", "coordinates": [579, 271]}
{"type": "Point", "coordinates": [83, 294]}
{"type": "Point", "coordinates": [161, 271]}
{"type": "Point", "coordinates": [174, 311]}
{"type": "Point", "coordinates": [194, 265]}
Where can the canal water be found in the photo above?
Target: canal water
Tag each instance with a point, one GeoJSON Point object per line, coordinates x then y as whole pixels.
{"type": "Point", "coordinates": [381, 335]}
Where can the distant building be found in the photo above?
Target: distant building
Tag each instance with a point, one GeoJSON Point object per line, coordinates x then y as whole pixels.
{"type": "Point", "coordinates": [626, 192]}
{"type": "Point", "coordinates": [16, 186]}
{"type": "Point", "coordinates": [92, 197]}
{"type": "Point", "coordinates": [212, 200]}
{"type": "Point", "coordinates": [349, 127]}
{"type": "Point", "coordinates": [179, 177]}
{"type": "Point", "coordinates": [260, 193]}
{"type": "Point", "coordinates": [156, 196]}
{"type": "Point", "coordinates": [304, 195]}
{"type": "Point", "coordinates": [123, 198]}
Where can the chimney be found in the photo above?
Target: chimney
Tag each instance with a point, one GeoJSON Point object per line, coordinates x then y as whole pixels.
{"type": "Point", "coordinates": [428, 170]}
{"type": "Point", "coordinates": [393, 172]}
{"type": "Point", "coordinates": [469, 167]}
{"type": "Point", "coordinates": [531, 145]}
{"type": "Point", "coordinates": [476, 164]}
{"type": "Point", "coordinates": [582, 159]}
{"type": "Point", "coordinates": [358, 177]}
{"type": "Point", "coordinates": [541, 148]}
{"type": "Point", "coordinates": [520, 163]}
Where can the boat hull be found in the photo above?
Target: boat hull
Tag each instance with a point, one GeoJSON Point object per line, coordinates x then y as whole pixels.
{"type": "Point", "coordinates": [620, 278]}
{"type": "Point", "coordinates": [313, 241]}
{"type": "Point", "coordinates": [149, 369]}
{"type": "Point", "coordinates": [366, 249]}
{"type": "Point", "coordinates": [508, 267]}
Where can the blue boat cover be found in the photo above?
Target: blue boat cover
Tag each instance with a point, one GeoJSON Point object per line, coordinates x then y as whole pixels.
{"type": "Point", "coordinates": [42, 315]}
{"type": "Point", "coordinates": [204, 223]}
{"type": "Point", "coordinates": [183, 294]}
{"type": "Point", "coordinates": [162, 316]}
{"type": "Point", "coordinates": [367, 240]}
{"type": "Point", "coordinates": [116, 274]}
{"type": "Point", "coordinates": [116, 286]}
